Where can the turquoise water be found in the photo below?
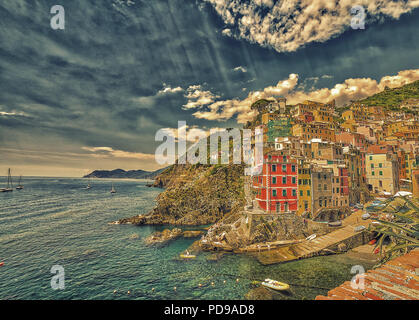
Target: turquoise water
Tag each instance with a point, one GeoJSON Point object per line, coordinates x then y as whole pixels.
{"type": "Point", "coordinates": [54, 221]}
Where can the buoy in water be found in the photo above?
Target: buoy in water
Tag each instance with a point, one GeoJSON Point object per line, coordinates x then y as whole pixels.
{"type": "Point", "coordinates": [237, 280]}
{"type": "Point", "coordinates": [152, 289]}
{"type": "Point", "coordinates": [1, 264]}
{"type": "Point", "coordinates": [129, 292]}
{"type": "Point", "coordinates": [200, 285]}
{"type": "Point", "coordinates": [174, 288]}
{"type": "Point", "coordinates": [224, 281]}
{"type": "Point", "coordinates": [114, 292]}
{"type": "Point", "coordinates": [212, 283]}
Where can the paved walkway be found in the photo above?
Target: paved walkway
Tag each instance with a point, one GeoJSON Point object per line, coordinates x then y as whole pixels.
{"type": "Point", "coordinates": [398, 279]}
{"type": "Point", "coordinates": [318, 246]}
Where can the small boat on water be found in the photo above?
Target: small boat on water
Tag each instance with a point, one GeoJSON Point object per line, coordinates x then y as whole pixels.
{"type": "Point", "coordinates": [113, 189]}
{"type": "Point", "coordinates": [1, 264]}
{"type": "Point", "coordinates": [187, 255]}
{"type": "Point", "coordinates": [275, 285]}
{"type": "Point", "coordinates": [20, 185]}
{"type": "Point", "coordinates": [9, 187]}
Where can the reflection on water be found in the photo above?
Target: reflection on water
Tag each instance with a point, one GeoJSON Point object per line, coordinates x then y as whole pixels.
{"type": "Point", "coordinates": [56, 221]}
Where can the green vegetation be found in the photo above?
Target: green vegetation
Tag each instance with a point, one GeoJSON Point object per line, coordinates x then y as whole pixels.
{"type": "Point", "coordinates": [402, 232]}
{"type": "Point", "coordinates": [392, 98]}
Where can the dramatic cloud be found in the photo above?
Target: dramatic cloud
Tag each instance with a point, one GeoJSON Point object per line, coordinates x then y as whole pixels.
{"type": "Point", "coordinates": [198, 98]}
{"type": "Point", "coordinates": [287, 25]}
{"type": "Point", "coordinates": [350, 89]}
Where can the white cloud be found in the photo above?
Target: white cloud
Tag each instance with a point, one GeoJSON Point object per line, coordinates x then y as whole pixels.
{"type": "Point", "coordinates": [198, 98]}
{"type": "Point", "coordinates": [168, 89]}
{"type": "Point", "coordinates": [240, 68]}
{"type": "Point", "coordinates": [106, 152]}
{"type": "Point", "coordinates": [289, 24]}
{"type": "Point", "coordinates": [350, 89]}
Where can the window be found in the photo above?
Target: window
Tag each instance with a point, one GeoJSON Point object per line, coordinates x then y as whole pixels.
{"type": "Point", "coordinates": [274, 168]}
{"type": "Point", "coordinates": [320, 202]}
{"type": "Point", "coordinates": [284, 180]}
{"type": "Point", "coordinates": [284, 192]}
{"type": "Point", "coordinates": [308, 192]}
{"type": "Point", "coordinates": [284, 168]}
{"type": "Point", "coordinates": [273, 180]}
{"type": "Point", "coordinates": [293, 180]}
{"type": "Point", "coordinates": [273, 193]}
{"type": "Point", "coordinates": [294, 192]}
{"type": "Point", "coordinates": [381, 173]}
{"type": "Point", "coordinates": [373, 173]}
{"type": "Point", "coordinates": [380, 165]}
{"type": "Point", "coordinates": [380, 183]}
{"type": "Point", "coordinates": [293, 168]}
{"type": "Point", "coordinates": [301, 193]}
{"type": "Point", "coordinates": [372, 165]}
{"type": "Point", "coordinates": [325, 187]}
{"type": "Point", "coordinates": [299, 181]}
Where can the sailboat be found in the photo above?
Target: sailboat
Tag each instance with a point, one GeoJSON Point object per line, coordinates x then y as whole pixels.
{"type": "Point", "coordinates": [113, 189]}
{"type": "Point", "coordinates": [20, 186]}
{"type": "Point", "coordinates": [89, 186]}
{"type": "Point", "coordinates": [9, 187]}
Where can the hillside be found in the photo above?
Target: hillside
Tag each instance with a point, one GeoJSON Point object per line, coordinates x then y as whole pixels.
{"type": "Point", "coordinates": [392, 98]}
{"type": "Point", "coordinates": [122, 174]}
{"type": "Point", "coordinates": [195, 195]}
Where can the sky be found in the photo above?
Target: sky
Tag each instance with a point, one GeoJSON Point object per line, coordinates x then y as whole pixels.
{"type": "Point", "coordinates": [93, 96]}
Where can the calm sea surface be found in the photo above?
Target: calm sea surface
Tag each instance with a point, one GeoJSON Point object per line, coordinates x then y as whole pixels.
{"type": "Point", "coordinates": [54, 221]}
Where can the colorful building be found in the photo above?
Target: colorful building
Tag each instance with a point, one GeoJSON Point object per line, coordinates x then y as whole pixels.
{"type": "Point", "coordinates": [276, 189]}
{"type": "Point", "coordinates": [382, 173]}
{"type": "Point", "coordinates": [304, 188]}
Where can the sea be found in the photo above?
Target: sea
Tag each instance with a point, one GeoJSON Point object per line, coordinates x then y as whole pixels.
{"type": "Point", "coordinates": [57, 222]}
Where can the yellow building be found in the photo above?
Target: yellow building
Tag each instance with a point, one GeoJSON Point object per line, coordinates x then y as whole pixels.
{"type": "Point", "coordinates": [382, 172]}
{"type": "Point", "coordinates": [304, 188]}
{"type": "Point", "coordinates": [308, 131]}
{"type": "Point", "coordinates": [411, 164]}
{"type": "Point", "coordinates": [322, 114]}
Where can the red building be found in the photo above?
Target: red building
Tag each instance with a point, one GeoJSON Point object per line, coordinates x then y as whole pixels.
{"type": "Point", "coordinates": [276, 188]}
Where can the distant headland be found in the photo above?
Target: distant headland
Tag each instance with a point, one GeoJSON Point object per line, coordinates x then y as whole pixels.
{"type": "Point", "coordinates": [122, 174]}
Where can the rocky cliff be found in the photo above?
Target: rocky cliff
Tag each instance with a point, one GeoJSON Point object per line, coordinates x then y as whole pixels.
{"type": "Point", "coordinates": [195, 195]}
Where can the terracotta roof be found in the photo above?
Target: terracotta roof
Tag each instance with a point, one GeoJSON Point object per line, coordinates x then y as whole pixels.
{"type": "Point", "coordinates": [398, 279]}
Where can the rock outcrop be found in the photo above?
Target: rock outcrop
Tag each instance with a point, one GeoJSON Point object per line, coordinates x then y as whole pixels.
{"type": "Point", "coordinates": [163, 237]}
{"type": "Point", "coordinates": [195, 195]}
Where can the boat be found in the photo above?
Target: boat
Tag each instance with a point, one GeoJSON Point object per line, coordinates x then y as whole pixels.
{"type": "Point", "coordinates": [366, 216]}
{"type": "Point", "coordinates": [113, 189]}
{"type": "Point", "coordinates": [312, 237]}
{"type": "Point", "coordinates": [373, 241]}
{"type": "Point", "coordinates": [359, 228]}
{"type": "Point", "coordinates": [9, 187]}
{"type": "Point", "coordinates": [20, 186]}
{"type": "Point", "coordinates": [187, 256]}
{"type": "Point", "coordinates": [335, 224]}
{"type": "Point", "coordinates": [89, 186]}
{"type": "Point", "coordinates": [275, 285]}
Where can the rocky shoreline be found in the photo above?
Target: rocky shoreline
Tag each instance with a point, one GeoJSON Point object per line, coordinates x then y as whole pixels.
{"type": "Point", "coordinates": [161, 238]}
